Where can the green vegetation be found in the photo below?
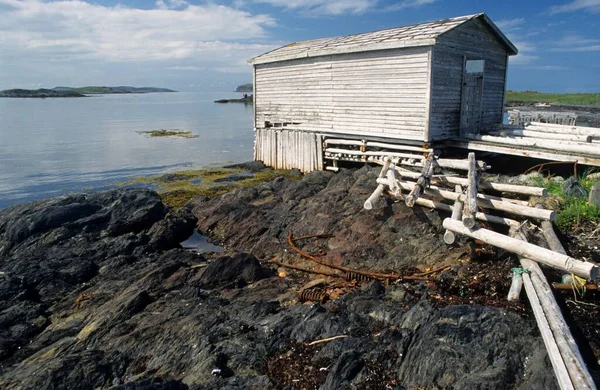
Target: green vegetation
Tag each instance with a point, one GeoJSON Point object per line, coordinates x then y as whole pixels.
{"type": "Point", "coordinates": [245, 88]}
{"type": "Point", "coordinates": [168, 133]}
{"type": "Point", "coordinates": [571, 211]}
{"type": "Point", "coordinates": [177, 188]}
{"type": "Point", "coordinates": [526, 97]}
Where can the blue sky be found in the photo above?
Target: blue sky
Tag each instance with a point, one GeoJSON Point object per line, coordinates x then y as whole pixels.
{"type": "Point", "coordinates": [203, 45]}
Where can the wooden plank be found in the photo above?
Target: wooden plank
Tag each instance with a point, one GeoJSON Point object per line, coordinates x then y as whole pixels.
{"type": "Point", "coordinates": [525, 152]}
{"type": "Point", "coordinates": [544, 144]}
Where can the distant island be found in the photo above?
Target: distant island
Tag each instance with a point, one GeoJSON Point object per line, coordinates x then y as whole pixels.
{"type": "Point", "coordinates": [247, 99]}
{"type": "Point", "coordinates": [62, 92]}
{"type": "Point", "coordinates": [38, 93]}
{"type": "Point", "coordinates": [245, 88]}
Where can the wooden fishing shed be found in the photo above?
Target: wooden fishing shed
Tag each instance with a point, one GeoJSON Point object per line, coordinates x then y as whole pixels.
{"type": "Point", "coordinates": [403, 89]}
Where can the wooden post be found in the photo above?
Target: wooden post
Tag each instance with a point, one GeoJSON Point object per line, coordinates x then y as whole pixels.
{"type": "Point", "coordinates": [373, 198]}
{"type": "Point", "coordinates": [542, 255]}
{"type": "Point", "coordinates": [449, 236]}
{"type": "Point", "coordinates": [515, 287]}
{"type": "Point", "coordinates": [368, 205]}
{"type": "Point", "coordinates": [422, 182]}
{"type": "Point", "coordinates": [537, 287]}
{"type": "Point", "coordinates": [470, 207]}
{"type": "Point", "coordinates": [393, 183]}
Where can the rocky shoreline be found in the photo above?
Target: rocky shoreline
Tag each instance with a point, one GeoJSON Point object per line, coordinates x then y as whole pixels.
{"type": "Point", "coordinates": [96, 292]}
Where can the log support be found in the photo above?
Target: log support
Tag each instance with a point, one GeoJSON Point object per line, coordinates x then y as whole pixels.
{"type": "Point", "coordinates": [470, 207]}
{"type": "Point", "coordinates": [422, 182]}
{"type": "Point", "coordinates": [449, 236]}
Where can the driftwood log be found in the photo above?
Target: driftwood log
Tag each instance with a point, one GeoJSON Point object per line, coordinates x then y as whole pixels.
{"type": "Point", "coordinates": [434, 204]}
{"type": "Point", "coordinates": [538, 289]}
{"type": "Point", "coordinates": [453, 180]}
{"type": "Point", "coordinates": [484, 201]}
{"type": "Point", "coordinates": [542, 255]}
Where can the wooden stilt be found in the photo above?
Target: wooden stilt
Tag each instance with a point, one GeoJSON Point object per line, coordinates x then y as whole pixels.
{"type": "Point", "coordinates": [470, 206]}
{"type": "Point", "coordinates": [457, 209]}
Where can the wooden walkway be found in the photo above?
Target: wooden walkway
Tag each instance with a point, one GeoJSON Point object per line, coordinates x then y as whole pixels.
{"type": "Point", "coordinates": [546, 141]}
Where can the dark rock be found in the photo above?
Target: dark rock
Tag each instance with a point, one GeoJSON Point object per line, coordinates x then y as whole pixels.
{"type": "Point", "coordinates": [99, 294]}
{"type": "Point", "coordinates": [235, 271]}
{"type": "Point", "coordinates": [344, 371]}
{"type": "Point", "coordinates": [252, 166]}
{"type": "Point", "coordinates": [573, 188]}
{"type": "Point", "coordinates": [152, 384]}
{"type": "Point", "coordinates": [173, 229]}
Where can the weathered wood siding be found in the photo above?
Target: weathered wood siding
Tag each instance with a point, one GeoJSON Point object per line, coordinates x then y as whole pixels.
{"type": "Point", "coordinates": [477, 42]}
{"type": "Point", "coordinates": [287, 149]}
{"type": "Point", "coordinates": [381, 93]}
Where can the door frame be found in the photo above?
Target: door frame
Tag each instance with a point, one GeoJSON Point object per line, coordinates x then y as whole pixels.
{"type": "Point", "coordinates": [464, 117]}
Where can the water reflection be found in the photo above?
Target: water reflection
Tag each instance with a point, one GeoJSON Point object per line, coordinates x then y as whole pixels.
{"type": "Point", "coordinates": [52, 146]}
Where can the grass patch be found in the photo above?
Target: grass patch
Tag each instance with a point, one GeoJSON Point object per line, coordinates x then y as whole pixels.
{"type": "Point", "coordinates": [586, 99]}
{"type": "Point", "coordinates": [177, 188]}
{"type": "Point", "coordinates": [572, 211]}
{"type": "Point", "coordinates": [168, 133]}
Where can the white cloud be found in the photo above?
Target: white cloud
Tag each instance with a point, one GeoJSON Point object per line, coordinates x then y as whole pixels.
{"type": "Point", "coordinates": [592, 6]}
{"type": "Point", "coordinates": [583, 49]}
{"type": "Point", "coordinates": [68, 30]}
{"type": "Point", "coordinates": [184, 67]}
{"type": "Point", "coordinates": [570, 40]}
{"type": "Point", "coordinates": [523, 59]}
{"type": "Point", "coordinates": [576, 43]}
{"type": "Point", "coordinates": [410, 4]}
{"type": "Point", "coordinates": [545, 67]}
{"type": "Point", "coordinates": [508, 24]}
{"type": "Point", "coordinates": [324, 7]}
{"type": "Point", "coordinates": [527, 53]}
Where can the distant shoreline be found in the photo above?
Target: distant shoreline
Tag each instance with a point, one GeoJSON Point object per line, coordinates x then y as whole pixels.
{"type": "Point", "coordinates": [68, 92]}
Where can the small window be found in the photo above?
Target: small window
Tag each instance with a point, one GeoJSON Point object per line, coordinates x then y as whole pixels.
{"type": "Point", "coordinates": [475, 66]}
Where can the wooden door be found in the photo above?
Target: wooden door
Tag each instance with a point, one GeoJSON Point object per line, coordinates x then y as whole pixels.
{"type": "Point", "coordinates": [472, 97]}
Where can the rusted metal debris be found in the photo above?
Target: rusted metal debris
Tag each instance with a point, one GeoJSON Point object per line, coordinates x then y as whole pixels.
{"type": "Point", "coordinates": [354, 277]}
{"type": "Point", "coordinates": [79, 301]}
{"type": "Point", "coordinates": [313, 295]}
{"type": "Point", "coordinates": [373, 275]}
{"type": "Point", "coordinates": [433, 271]}
{"type": "Point", "coordinates": [285, 265]}
{"type": "Point", "coordinates": [568, 286]}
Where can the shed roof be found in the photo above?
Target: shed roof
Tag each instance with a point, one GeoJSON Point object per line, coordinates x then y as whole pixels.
{"type": "Point", "coordinates": [424, 34]}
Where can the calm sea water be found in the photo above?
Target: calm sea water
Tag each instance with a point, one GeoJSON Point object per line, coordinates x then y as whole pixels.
{"type": "Point", "coordinates": [49, 147]}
